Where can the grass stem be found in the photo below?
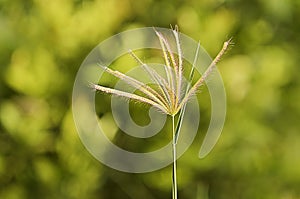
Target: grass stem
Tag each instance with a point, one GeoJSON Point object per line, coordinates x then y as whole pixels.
{"type": "Point", "coordinates": [174, 175]}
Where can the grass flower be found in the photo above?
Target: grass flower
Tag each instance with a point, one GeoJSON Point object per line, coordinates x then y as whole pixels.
{"type": "Point", "coordinates": [170, 95]}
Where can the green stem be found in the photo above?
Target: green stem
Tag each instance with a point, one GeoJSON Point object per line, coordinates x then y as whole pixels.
{"type": "Point", "coordinates": [174, 175]}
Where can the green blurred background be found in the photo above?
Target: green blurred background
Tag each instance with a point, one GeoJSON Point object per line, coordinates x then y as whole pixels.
{"type": "Point", "coordinates": [43, 43]}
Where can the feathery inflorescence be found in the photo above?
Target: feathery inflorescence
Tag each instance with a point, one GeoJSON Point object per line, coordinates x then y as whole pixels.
{"type": "Point", "coordinates": [169, 96]}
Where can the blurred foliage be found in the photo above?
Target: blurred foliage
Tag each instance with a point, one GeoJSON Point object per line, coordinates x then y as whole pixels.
{"type": "Point", "coordinates": [42, 44]}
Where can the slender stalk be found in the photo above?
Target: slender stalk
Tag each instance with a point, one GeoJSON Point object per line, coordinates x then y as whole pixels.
{"type": "Point", "coordinates": [174, 175]}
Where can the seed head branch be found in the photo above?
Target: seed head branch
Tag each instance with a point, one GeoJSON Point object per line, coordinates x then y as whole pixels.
{"type": "Point", "coordinates": [168, 55]}
{"type": "Point", "coordinates": [128, 96]}
{"type": "Point", "coordinates": [206, 73]}
{"type": "Point", "coordinates": [147, 90]}
{"type": "Point", "coordinates": [179, 67]}
{"type": "Point", "coordinates": [160, 81]}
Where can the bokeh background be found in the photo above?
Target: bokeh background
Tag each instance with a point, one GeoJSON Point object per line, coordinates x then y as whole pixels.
{"type": "Point", "coordinates": [43, 43]}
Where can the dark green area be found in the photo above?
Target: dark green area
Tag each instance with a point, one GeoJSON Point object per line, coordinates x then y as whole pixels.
{"type": "Point", "coordinates": [42, 45]}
